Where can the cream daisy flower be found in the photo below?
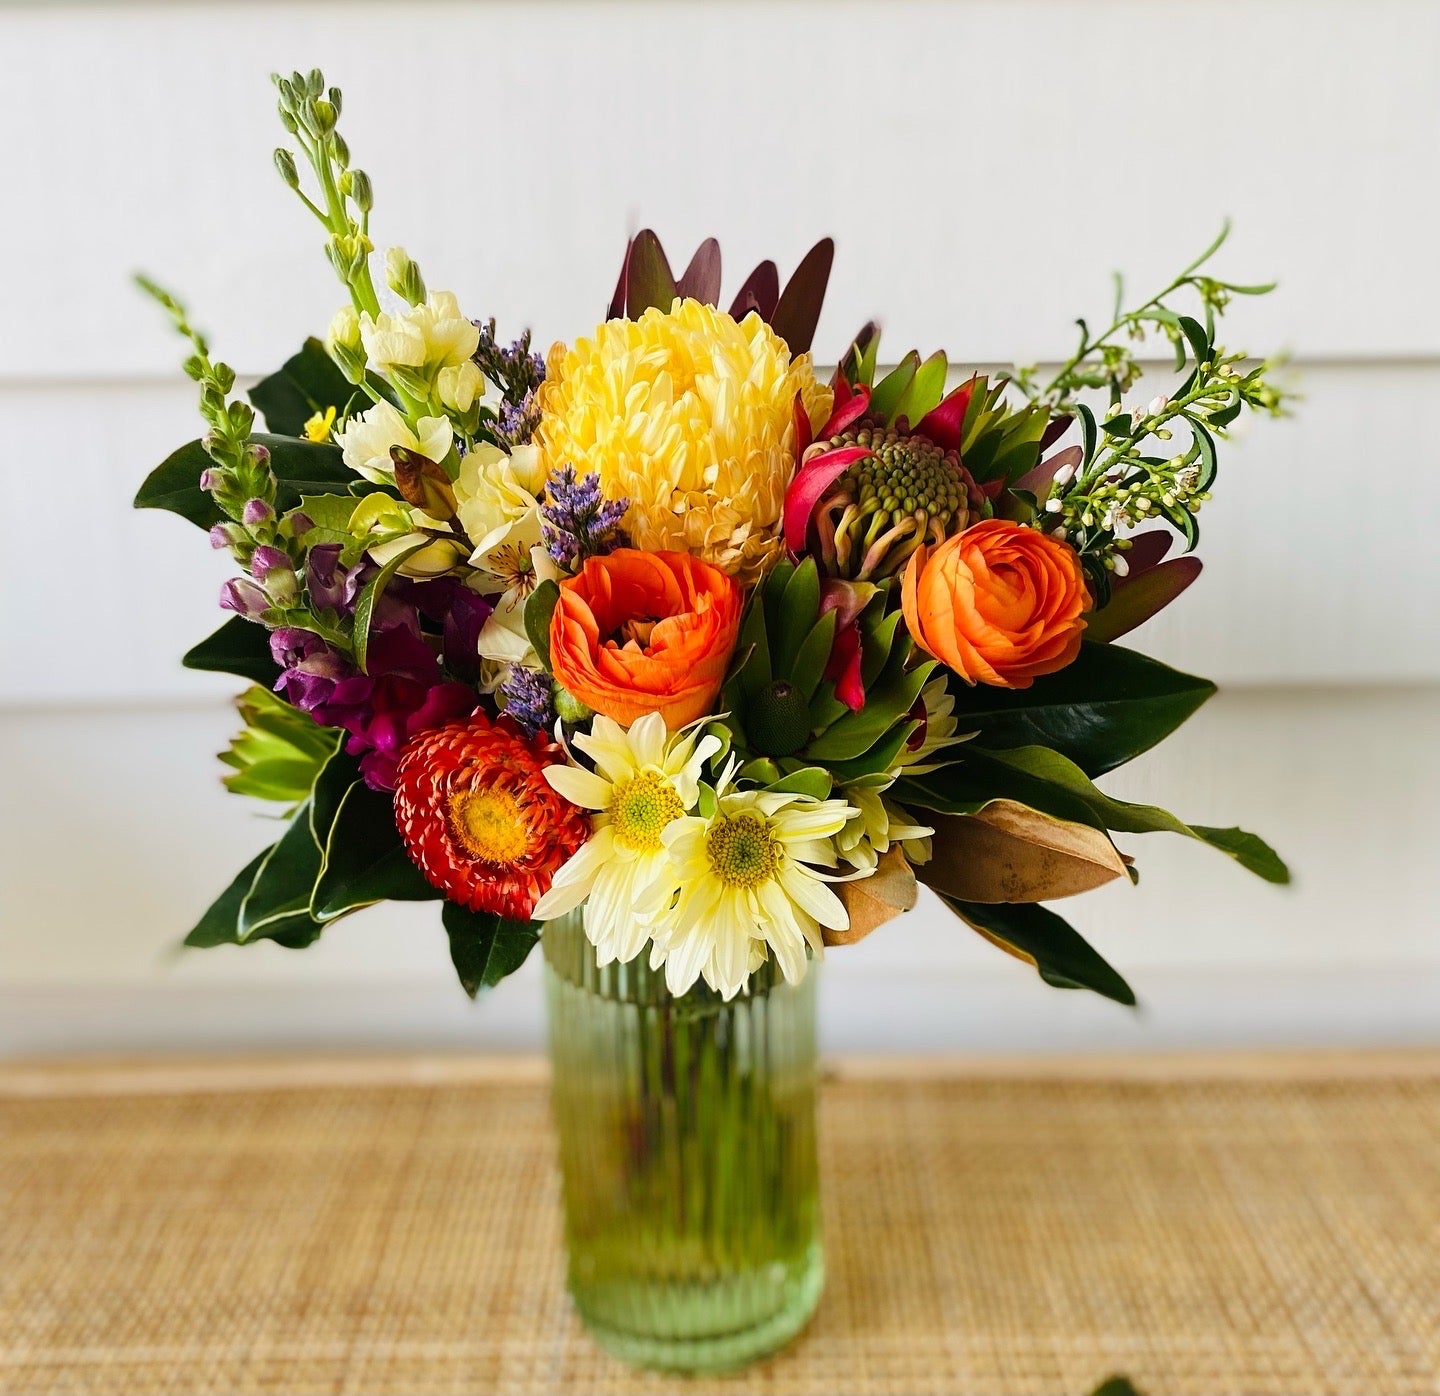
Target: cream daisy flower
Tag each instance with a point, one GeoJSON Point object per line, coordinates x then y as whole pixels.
{"type": "Point", "coordinates": [877, 823]}
{"type": "Point", "coordinates": [742, 883]}
{"type": "Point", "coordinates": [644, 780]}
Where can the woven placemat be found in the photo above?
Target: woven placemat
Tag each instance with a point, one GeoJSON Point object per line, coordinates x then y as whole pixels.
{"type": "Point", "coordinates": [1233, 1234]}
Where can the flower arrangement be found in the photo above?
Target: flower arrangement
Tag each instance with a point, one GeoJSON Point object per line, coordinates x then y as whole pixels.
{"type": "Point", "coordinates": [669, 624]}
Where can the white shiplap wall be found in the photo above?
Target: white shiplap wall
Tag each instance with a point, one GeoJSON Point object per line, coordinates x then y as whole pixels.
{"type": "Point", "coordinates": [983, 166]}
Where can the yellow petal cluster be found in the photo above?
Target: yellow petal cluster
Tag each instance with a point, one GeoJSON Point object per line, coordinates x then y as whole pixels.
{"type": "Point", "coordinates": [689, 415]}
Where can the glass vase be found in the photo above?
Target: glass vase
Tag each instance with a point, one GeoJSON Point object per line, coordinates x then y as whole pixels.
{"type": "Point", "coordinates": [687, 1155]}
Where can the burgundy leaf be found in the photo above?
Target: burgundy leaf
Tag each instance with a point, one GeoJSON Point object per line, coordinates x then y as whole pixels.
{"type": "Point", "coordinates": [804, 435]}
{"type": "Point", "coordinates": [943, 425]}
{"type": "Point", "coordinates": [617, 301]}
{"type": "Point", "coordinates": [798, 310]}
{"type": "Point", "coordinates": [1057, 428]}
{"type": "Point", "coordinates": [1134, 600]}
{"type": "Point", "coordinates": [1147, 550]}
{"type": "Point", "coordinates": [759, 293]}
{"type": "Point", "coordinates": [701, 280]}
{"type": "Point", "coordinates": [814, 478]}
{"type": "Point", "coordinates": [1039, 479]}
{"type": "Point", "coordinates": [650, 281]}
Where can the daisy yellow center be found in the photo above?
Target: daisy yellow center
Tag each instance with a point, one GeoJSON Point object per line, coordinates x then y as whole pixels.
{"type": "Point", "coordinates": [741, 851]}
{"type": "Point", "coordinates": [640, 808]}
{"type": "Point", "coordinates": [490, 825]}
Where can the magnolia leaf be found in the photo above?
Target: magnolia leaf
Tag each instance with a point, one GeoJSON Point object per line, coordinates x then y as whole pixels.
{"type": "Point", "coordinates": [219, 924]}
{"type": "Point", "coordinates": [484, 948]}
{"type": "Point", "coordinates": [423, 483]}
{"type": "Point", "coordinates": [1011, 853]}
{"type": "Point", "coordinates": [1059, 953]}
{"type": "Point", "coordinates": [874, 900]}
{"type": "Point", "coordinates": [363, 860]}
{"type": "Point", "coordinates": [240, 647]}
{"type": "Point", "coordinates": [1105, 708]}
{"type": "Point", "coordinates": [301, 467]}
{"type": "Point", "coordinates": [277, 902]}
{"type": "Point", "coordinates": [306, 384]}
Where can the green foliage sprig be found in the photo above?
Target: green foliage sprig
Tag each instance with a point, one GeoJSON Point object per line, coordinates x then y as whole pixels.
{"type": "Point", "coordinates": [241, 482]}
{"type": "Point", "coordinates": [1127, 472]}
{"type": "Point", "coordinates": [311, 115]}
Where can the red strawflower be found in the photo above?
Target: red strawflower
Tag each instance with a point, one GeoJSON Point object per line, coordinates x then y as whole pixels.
{"type": "Point", "coordinates": [478, 817]}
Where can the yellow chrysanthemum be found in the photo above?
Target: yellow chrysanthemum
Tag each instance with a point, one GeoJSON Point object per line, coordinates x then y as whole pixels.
{"type": "Point", "coordinates": [688, 414]}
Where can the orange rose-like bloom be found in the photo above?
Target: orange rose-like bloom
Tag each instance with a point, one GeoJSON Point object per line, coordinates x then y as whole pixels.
{"type": "Point", "coordinates": [639, 632]}
{"type": "Point", "coordinates": [999, 603]}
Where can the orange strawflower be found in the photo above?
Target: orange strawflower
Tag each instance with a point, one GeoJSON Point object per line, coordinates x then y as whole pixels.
{"type": "Point", "coordinates": [999, 603]}
{"type": "Point", "coordinates": [479, 819]}
{"type": "Point", "coordinates": [639, 632]}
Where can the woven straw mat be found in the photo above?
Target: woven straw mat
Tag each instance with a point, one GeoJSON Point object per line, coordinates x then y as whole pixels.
{"type": "Point", "coordinates": [1222, 1234]}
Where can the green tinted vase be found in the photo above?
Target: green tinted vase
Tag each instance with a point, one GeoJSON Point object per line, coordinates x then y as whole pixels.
{"type": "Point", "coordinates": [687, 1154]}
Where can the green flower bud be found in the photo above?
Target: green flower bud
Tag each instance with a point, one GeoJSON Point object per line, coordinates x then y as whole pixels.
{"type": "Point", "coordinates": [285, 163]}
{"type": "Point", "coordinates": [403, 276]}
{"type": "Point", "coordinates": [360, 190]}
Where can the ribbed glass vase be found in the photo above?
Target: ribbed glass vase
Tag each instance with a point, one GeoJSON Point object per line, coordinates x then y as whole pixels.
{"type": "Point", "coordinates": [687, 1154]}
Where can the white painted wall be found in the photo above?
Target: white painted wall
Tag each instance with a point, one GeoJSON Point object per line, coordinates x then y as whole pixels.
{"type": "Point", "coordinates": [983, 167]}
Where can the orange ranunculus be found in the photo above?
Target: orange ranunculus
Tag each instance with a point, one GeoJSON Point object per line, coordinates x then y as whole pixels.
{"type": "Point", "coordinates": [999, 603]}
{"type": "Point", "coordinates": [639, 632]}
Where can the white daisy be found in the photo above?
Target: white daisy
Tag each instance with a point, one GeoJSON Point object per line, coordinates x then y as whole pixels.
{"type": "Point", "coordinates": [644, 780]}
{"type": "Point", "coordinates": [742, 883]}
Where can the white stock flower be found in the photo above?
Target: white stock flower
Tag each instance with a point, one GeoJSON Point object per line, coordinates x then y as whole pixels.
{"type": "Point", "coordinates": [458, 385]}
{"type": "Point", "coordinates": [431, 336]}
{"type": "Point", "coordinates": [344, 328]}
{"type": "Point", "coordinates": [366, 441]}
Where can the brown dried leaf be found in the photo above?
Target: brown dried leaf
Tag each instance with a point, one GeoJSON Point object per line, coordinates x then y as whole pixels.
{"type": "Point", "coordinates": [1012, 853]}
{"type": "Point", "coordinates": [874, 900]}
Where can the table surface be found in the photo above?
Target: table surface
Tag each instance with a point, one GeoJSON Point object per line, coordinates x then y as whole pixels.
{"type": "Point", "coordinates": [1232, 1226]}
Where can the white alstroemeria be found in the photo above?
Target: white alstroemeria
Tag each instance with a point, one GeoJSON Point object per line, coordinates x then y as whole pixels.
{"type": "Point", "coordinates": [644, 779]}
{"type": "Point", "coordinates": [498, 505]}
{"type": "Point", "coordinates": [742, 884]}
{"type": "Point", "coordinates": [366, 441]}
{"type": "Point", "coordinates": [504, 640]}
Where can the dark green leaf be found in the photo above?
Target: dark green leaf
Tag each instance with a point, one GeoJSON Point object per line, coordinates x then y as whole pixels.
{"type": "Point", "coordinates": [240, 647]}
{"type": "Point", "coordinates": [220, 924]}
{"type": "Point", "coordinates": [1063, 957]}
{"type": "Point", "coordinates": [1199, 341]}
{"type": "Point", "coordinates": [1101, 711]}
{"type": "Point", "coordinates": [539, 611]}
{"type": "Point", "coordinates": [278, 900]}
{"type": "Point", "coordinates": [370, 595]}
{"type": "Point", "coordinates": [813, 655]}
{"type": "Point", "coordinates": [1049, 782]}
{"type": "Point", "coordinates": [305, 384]}
{"type": "Point", "coordinates": [301, 467]}
{"type": "Point", "coordinates": [798, 612]}
{"type": "Point", "coordinates": [363, 859]}
{"type": "Point", "coordinates": [485, 948]}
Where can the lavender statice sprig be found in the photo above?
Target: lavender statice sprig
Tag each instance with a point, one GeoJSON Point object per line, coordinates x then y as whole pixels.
{"type": "Point", "coordinates": [528, 696]}
{"type": "Point", "coordinates": [577, 521]}
{"type": "Point", "coordinates": [517, 372]}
